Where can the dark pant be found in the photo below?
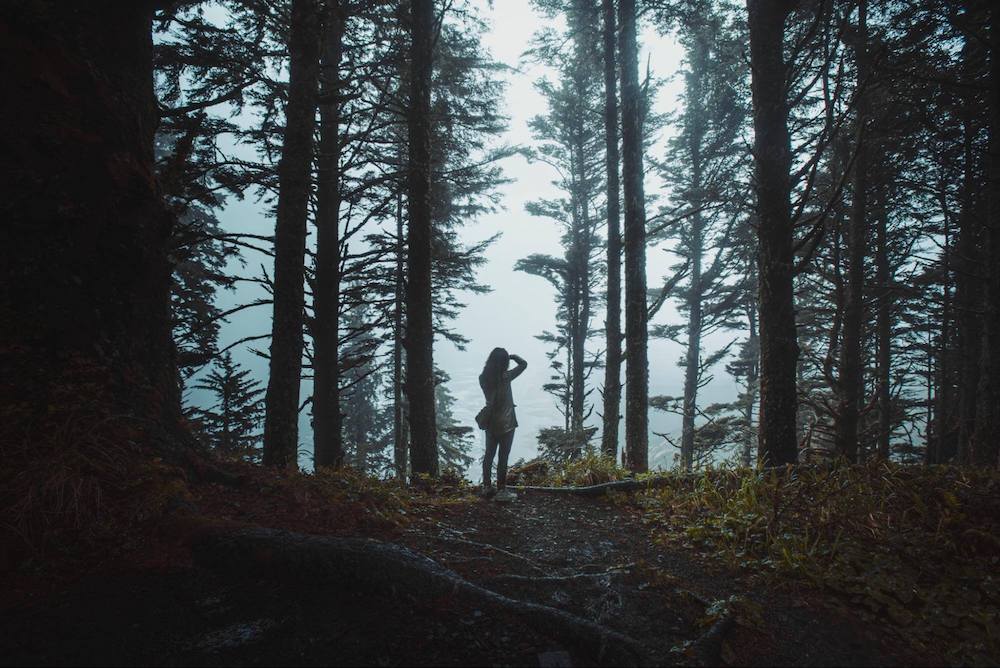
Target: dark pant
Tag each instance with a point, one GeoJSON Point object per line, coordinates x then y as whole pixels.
{"type": "Point", "coordinates": [504, 441]}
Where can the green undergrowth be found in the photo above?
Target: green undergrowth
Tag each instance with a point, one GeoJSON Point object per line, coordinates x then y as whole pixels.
{"type": "Point", "coordinates": [590, 468]}
{"type": "Point", "coordinates": [914, 546]}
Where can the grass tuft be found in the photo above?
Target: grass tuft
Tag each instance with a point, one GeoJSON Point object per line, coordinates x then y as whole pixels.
{"type": "Point", "coordinates": [913, 545]}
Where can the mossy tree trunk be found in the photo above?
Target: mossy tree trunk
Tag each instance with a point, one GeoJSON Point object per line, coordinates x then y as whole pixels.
{"type": "Point", "coordinates": [636, 315]}
{"type": "Point", "coordinates": [850, 381]}
{"type": "Point", "coordinates": [328, 445]}
{"type": "Point", "coordinates": [84, 273]}
{"type": "Point", "coordinates": [419, 313]}
{"type": "Point", "coordinates": [281, 421]}
{"type": "Point", "coordinates": [613, 319]}
{"type": "Point", "coordinates": [772, 161]}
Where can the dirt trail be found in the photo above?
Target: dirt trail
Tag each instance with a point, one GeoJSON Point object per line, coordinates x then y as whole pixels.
{"type": "Point", "coordinates": [596, 559]}
{"type": "Point", "coordinates": [586, 556]}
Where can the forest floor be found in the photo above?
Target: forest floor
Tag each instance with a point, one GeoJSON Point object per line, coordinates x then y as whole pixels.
{"type": "Point", "coordinates": [596, 558]}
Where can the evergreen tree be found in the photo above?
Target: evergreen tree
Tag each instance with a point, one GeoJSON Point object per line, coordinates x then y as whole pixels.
{"type": "Point", "coordinates": [366, 418]}
{"type": "Point", "coordinates": [232, 425]}
{"type": "Point", "coordinates": [570, 139]}
{"type": "Point", "coordinates": [707, 171]}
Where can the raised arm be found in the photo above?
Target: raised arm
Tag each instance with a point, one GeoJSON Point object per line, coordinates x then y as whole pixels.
{"type": "Point", "coordinates": [517, 370]}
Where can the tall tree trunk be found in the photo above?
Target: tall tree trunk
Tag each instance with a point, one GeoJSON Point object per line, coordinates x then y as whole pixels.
{"type": "Point", "coordinates": [584, 309]}
{"type": "Point", "coordinates": [612, 322]}
{"type": "Point", "coordinates": [942, 439]}
{"type": "Point", "coordinates": [636, 315]}
{"type": "Point", "coordinates": [987, 435]}
{"type": "Point", "coordinates": [574, 314]}
{"type": "Point", "coordinates": [692, 360]}
{"type": "Point", "coordinates": [419, 317]}
{"type": "Point", "coordinates": [968, 298]}
{"type": "Point", "coordinates": [579, 273]}
{"type": "Point", "coordinates": [281, 421]}
{"type": "Point", "coordinates": [400, 433]}
{"type": "Point", "coordinates": [328, 445]}
{"type": "Point", "coordinates": [84, 275]}
{"type": "Point", "coordinates": [883, 328]}
{"type": "Point", "coordinates": [753, 374]}
{"type": "Point", "coordinates": [779, 349]}
{"type": "Point", "coordinates": [850, 381]}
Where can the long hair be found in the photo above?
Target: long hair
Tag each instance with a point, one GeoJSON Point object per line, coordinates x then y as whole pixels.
{"type": "Point", "coordinates": [493, 370]}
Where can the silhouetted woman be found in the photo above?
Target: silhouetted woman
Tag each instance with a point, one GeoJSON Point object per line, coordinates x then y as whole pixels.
{"type": "Point", "coordinates": [501, 423]}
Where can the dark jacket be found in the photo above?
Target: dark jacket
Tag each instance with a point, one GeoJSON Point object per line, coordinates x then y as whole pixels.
{"type": "Point", "coordinates": [501, 401]}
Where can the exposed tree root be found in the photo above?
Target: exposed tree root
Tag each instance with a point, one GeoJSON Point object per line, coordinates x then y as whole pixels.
{"type": "Point", "coordinates": [538, 579]}
{"type": "Point", "coordinates": [603, 488]}
{"type": "Point", "coordinates": [389, 570]}
{"type": "Point", "coordinates": [471, 543]}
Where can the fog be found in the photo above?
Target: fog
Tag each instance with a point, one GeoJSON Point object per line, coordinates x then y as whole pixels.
{"type": "Point", "coordinates": [520, 306]}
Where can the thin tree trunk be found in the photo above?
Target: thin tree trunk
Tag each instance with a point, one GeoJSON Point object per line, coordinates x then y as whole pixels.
{"type": "Point", "coordinates": [943, 447]}
{"type": "Point", "coordinates": [772, 158]}
{"type": "Point", "coordinates": [753, 377]}
{"type": "Point", "coordinates": [419, 315]}
{"type": "Point", "coordinates": [612, 322]}
{"type": "Point", "coordinates": [584, 310]}
{"type": "Point", "coordinates": [281, 421]}
{"type": "Point", "coordinates": [575, 347]}
{"type": "Point", "coordinates": [692, 358]}
{"type": "Point", "coordinates": [695, 295]}
{"type": "Point", "coordinates": [987, 435]}
{"type": "Point", "coordinates": [579, 271]}
{"type": "Point", "coordinates": [850, 381]}
{"type": "Point", "coordinates": [883, 327]}
{"type": "Point", "coordinates": [636, 361]}
{"type": "Point", "coordinates": [400, 433]}
{"type": "Point", "coordinates": [968, 297]}
{"type": "Point", "coordinates": [328, 446]}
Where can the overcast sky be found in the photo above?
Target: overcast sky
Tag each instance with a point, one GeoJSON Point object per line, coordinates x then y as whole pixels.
{"type": "Point", "coordinates": [520, 306]}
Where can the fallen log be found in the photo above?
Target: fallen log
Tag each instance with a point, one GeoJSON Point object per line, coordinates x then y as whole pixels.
{"type": "Point", "coordinates": [603, 488]}
{"type": "Point", "coordinates": [389, 570]}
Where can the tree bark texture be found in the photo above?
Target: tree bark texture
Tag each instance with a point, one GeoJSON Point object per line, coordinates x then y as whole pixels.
{"type": "Point", "coordinates": [400, 433]}
{"type": "Point", "coordinates": [419, 319]}
{"type": "Point", "coordinates": [969, 305]}
{"type": "Point", "coordinates": [850, 381]}
{"type": "Point", "coordinates": [613, 321]}
{"type": "Point", "coordinates": [636, 359]}
{"type": "Point", "coordinates": [328, 446]}
{"type": "Point", "coordinates": [883, 327]}
{"type": "Point", "coordinates": [941, 447]}
{"type": "Point", "coordinates": [84, 274]}
{"type": "Point", "coordinates": [772, 159]}
{"type": "Point", "coordinates": [987, 435]}
{"type": "Point", "coordinates": [753, 377]}
{"type": "Point", "coordinates": [281, 421]}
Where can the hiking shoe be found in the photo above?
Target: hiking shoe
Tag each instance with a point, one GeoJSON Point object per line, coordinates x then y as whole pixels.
{"type": "Point", "coordinates": [488, 491]}
{"type": "Point", "coordinates": [505, 496]}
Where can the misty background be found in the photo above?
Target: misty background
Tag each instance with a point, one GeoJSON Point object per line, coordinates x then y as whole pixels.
{"type": "Point", "coordinates": [520, 306]}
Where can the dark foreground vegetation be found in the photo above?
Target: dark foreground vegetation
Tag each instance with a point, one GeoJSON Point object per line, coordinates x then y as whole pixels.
{"type": "Point", "coordinates": [876, 564]}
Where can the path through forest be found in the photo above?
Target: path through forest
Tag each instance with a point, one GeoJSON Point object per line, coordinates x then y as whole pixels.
{"type": "Point", "coordinates": [595, 558]}
{"type": "Point", "coordinates": [591, 557]}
